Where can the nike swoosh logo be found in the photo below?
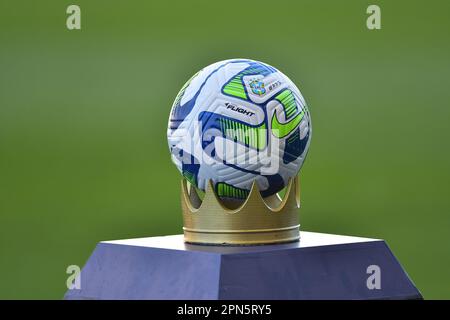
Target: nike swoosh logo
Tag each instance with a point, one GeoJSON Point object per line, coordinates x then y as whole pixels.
{"type": "Point", "coordinates": [281, 130]}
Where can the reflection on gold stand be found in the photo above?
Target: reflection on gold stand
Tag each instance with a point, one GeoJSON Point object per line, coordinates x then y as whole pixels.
{"type": "Point", "coordinates": [256, 221]}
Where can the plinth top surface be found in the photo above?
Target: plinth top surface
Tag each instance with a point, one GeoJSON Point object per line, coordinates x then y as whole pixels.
{"type": "Point", "coordinates": [176, 242]}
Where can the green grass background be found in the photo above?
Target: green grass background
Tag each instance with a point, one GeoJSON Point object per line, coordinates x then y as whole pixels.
{"type": "Point", "coordinates": [83, 115]}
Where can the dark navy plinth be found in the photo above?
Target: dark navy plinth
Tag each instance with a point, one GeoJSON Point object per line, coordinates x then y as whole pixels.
{"type": "Point", "coordinates": [320, 266]}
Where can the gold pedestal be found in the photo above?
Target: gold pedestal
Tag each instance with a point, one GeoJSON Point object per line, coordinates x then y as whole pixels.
{"type": "Point", "coordinates": [256, 221]}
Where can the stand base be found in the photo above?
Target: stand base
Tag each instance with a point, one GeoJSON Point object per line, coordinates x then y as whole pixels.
{"type": "Point", "coordinates": [320, 266]}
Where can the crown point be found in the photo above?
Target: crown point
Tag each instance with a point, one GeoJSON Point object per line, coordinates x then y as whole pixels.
{"type": "Point", "coordinates": [254, 194]}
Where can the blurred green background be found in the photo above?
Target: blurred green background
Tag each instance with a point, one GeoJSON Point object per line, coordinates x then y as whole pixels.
{"type": "Point", "coordinates": [83, 115]}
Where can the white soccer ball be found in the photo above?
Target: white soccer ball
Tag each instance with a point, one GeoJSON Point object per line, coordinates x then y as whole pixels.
{"type": "Point", "coordinates": [237, 121]}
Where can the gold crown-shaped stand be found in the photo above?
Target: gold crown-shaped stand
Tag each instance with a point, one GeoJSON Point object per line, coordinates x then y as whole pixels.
{"type": "Point", "coordinates": [256, 221]}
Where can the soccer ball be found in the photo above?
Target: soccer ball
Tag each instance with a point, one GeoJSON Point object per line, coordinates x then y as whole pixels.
{"type": "Point", "coordinates": [238, 121]}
